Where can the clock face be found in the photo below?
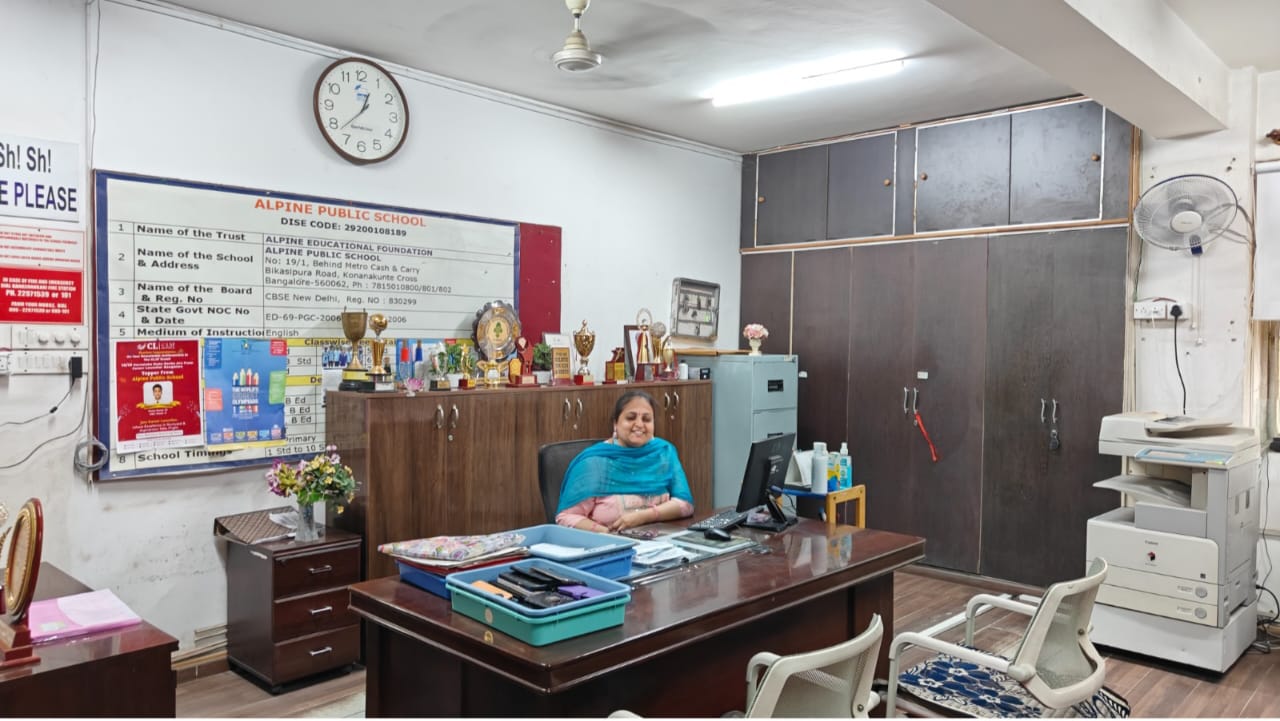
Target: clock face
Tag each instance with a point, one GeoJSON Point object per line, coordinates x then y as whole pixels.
{"type": "Point", "coordinates": [361, 110]}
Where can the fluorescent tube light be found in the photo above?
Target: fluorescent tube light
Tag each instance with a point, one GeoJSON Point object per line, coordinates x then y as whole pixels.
{"type": "Point", "coordinates": [810, 76]}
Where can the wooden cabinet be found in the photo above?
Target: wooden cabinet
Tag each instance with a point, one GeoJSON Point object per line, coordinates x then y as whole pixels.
{"type": "Point", "coordinates": [822, 315]}
{"type": "Point", "coordinates": [287, 607]}
{"type": "Point", "coordinates": [465, 462]}
{"type": "Point", "coordinates": [1055, 334]}
{"type": "Point", "coordinates": [765, 298]}
{"type": "Point", "coordinates": [860, 187]}
{"type": "Point", "coordinates": [930, 299]}
{"type": "Point", "coordinates": [1055, 164]}
{"type": "Point", "coordinates": [1116, 191]}
{"type": "Point", "coordinates": [791, 196]}
{"type": "Point", "coordinates": [962, 174]}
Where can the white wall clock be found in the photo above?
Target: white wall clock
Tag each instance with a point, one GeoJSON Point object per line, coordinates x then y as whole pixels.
{"type": "Point", "coordinates": [361, 110]}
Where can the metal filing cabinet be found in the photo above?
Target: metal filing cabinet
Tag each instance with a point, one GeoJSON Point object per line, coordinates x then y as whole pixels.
{"type": "Point", "coordinates": [752, 398]}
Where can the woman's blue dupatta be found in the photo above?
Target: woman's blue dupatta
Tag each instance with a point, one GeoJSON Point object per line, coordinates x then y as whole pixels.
{"type": "Point", "coordinates": [608, 469]}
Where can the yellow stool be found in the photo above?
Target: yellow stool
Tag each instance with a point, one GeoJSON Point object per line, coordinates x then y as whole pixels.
{"type": "Point", "coordinates": [857, 494]}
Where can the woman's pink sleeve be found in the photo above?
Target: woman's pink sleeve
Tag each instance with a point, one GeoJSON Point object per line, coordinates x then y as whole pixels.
{"type": "Point", "coordinates": [573, 515]}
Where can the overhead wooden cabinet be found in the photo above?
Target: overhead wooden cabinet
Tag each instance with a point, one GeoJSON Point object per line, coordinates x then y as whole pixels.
{"type": "Point", "coordinates": [1055, 164]}
{"type": "Point", "coordinates": [791, 200]}
{"type": "Point", "coordinates": [920, 349]}
{"type": "Point", "coordinates": [465, 462]}
{"type": "Point", "coordinates": [860, 187]}
{"type": "Point", "coordinates": [1055, 353]}
{"type": "Point", "coordinates": [962, 174]}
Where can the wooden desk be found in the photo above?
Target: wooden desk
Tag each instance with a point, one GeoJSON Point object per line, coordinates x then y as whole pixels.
{"type": "Point", "coordinates": [120, 672]}
{"type": "Point", "coordinates": [682, 650]}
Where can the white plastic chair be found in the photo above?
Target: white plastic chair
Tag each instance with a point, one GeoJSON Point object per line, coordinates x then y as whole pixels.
{"type": "Point", "coordinates": [1055, 661]}
{"type": "Point", "coordinates": [833, 682]}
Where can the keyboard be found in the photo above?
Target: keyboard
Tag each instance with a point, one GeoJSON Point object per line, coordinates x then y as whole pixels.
{"type": "Point", "coordinates": [723, 520]}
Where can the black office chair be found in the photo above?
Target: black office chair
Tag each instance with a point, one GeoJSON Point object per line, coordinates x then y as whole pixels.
{"type": "Point", "coordinates": [553, 461]}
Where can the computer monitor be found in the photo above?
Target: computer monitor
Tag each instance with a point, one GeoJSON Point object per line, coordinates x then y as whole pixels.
{"type": "Point", "coordinates": [766, 467]}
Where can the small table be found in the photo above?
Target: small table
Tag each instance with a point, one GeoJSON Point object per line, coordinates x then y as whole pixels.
{"type": "Point", "coordinates": [832, 500]}
{"type": "Point", "coordinates": [118, 672]}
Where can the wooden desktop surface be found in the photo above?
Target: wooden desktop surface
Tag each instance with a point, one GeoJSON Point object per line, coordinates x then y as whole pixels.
{"type": "Point", "coordinates": [682, 649]}
{"type": "Point", "coordinates": [119, 672]}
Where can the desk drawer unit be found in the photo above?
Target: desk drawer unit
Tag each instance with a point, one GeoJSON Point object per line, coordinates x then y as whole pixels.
{"type": "Point", "coordinates": [288, 613]}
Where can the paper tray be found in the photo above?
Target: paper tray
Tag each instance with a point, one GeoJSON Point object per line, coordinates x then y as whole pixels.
{"type": "Point", "coordinates": [602, 554]}
{"type": "Point", "coordinates": [461, 581]}
{"type": "Point", "coordinates": [545, 630]}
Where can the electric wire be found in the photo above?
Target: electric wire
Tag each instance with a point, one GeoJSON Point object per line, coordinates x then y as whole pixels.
{"type": "Point", "coordinates": [1178, 365]}
{"type": "Point", "coordinates": [84, 413]}
{"type": "Point", "coordinates": [49, 412]}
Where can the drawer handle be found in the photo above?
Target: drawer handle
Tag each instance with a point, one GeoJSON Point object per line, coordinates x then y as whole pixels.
{"type": "Point", "coordinates": [677, 397]}
{"type": "Point", "coordinates": [324, 609]}
{"type": "Point", "coordinates": [321, 651]}
{"type": "Point", "coordinates": [320, 569]}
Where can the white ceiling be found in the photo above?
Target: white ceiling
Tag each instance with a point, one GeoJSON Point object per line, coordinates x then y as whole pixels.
{"type": "Point", "coordinates": [662, 55]}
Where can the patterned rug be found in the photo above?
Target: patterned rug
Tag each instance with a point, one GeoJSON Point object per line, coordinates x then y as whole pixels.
{"type": "Point", "coordinates": [978, 691]}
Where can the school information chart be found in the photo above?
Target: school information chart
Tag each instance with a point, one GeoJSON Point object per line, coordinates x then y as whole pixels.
{"type": "Point", "coordinates": [188, 260]}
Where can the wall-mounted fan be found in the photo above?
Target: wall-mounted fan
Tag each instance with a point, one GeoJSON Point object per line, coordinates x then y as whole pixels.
{"type": "Point", "coordinates": [1185, 212]}
{"type": "Point", "coordinates": [577, 56]}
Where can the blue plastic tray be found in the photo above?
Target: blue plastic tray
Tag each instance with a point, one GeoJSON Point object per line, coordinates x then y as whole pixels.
{"type": "Point", "coordinates": [544, 630]}
{"type": "Point", "coordinates": [604, 554]}
{"type": "Point", "coordinates": [461, 581]}
{"type": "Point", "coordinates": [427, 581]}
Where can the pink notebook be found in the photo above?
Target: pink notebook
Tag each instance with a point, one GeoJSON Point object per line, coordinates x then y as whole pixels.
{"type": "Point", "coordinates": [82, 613]}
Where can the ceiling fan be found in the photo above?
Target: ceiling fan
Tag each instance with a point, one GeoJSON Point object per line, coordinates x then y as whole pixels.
{"type": "Point", "coordinates": [577, 56]}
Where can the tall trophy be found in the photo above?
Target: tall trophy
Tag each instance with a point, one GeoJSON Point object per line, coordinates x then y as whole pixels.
{"type": "Point", "coordinates": [353, 327]}
{"type": "Point", "coordinates": [379, 379]}
{"type": "Point", "coordinates": [646, 360]}
{"type": "Point", "coordinates": [585, 341]}
{"type": "Point", "coordinates": [662, 350]}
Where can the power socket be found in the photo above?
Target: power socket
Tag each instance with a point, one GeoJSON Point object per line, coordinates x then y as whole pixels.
{"type": "Point", "coordinates": [75, 367]}
{"type": "Point", "coordinates": [4, 362]}
{"type": "Point", "coordinates": [1150, 310]}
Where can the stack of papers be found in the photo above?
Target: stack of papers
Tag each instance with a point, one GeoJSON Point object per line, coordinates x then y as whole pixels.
{"type": "Point", "coordinates": [654, 553]}
{"type": "Point", "coordinates": [82, 613]}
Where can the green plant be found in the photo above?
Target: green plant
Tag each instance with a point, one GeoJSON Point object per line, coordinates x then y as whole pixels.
{"type": "Point", "coordinates": [542, 357]}
{"type": "Point", "coordinates": [453, 353]}
{"type": "Point", "coordinates": [321, 478]}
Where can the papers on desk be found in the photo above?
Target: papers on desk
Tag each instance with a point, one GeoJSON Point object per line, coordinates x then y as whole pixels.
{"type": "Point", "coordinates": [656, 553]}
{"type": "Point", "coordinates": [695, 539]}
{"type": "Point", "coordinates": [82, 613]}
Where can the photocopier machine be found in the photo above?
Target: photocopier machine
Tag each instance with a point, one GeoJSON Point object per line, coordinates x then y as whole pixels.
{"type": "Point", "coordinates": [1181, 584]}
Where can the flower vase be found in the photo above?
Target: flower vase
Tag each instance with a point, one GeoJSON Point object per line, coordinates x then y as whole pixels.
{"type": "Point", "coordinates": [308, 529]}
{"type": "Point", "coordinates": [755, 346]}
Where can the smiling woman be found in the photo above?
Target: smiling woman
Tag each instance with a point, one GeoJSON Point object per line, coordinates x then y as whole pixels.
{"type": "Point", "coordinates": [629, 480]}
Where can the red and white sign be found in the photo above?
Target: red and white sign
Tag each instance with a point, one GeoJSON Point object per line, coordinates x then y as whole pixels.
{"type": "Point", "coordinates": [157, 395]}
{"type": "Point", "coordinates": [41, 275]}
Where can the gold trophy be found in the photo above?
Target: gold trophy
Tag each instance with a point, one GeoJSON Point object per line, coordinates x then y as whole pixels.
{"type": "Point", "coordinates": [353, 327]}
{"type": "Point", "coordinates": [662, 349]}
{"type": "Point", "coordinates": [646, 361]}
{"type": "Point", "coordinates": [379, 379]}
{"type": "Point", "coordinates": [585, 341]}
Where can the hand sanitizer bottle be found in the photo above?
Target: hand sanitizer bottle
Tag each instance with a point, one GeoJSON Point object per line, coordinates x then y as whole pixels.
{"type": "Point", "coordinates": [846, 466]}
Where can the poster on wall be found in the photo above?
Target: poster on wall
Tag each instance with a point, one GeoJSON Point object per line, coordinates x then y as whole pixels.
{"type": "Point", "coordinates": [244, 392]}
{"type": "Point", "coordinates": [39, 178]}
{"type": "Point", "coordinates": [156, 395]}
{"type": "Point", "coordinates": [41, 275]}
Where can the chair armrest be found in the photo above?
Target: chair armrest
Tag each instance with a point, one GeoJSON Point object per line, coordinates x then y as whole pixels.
{"type": "Point", "coordinates": [756, 668]}
{"type": "Point", "coordinates": [971, 655]}
{"type": "Point", "coordinates": [623, 713]}
{"type": "Point", "coordinates": [976, 604]}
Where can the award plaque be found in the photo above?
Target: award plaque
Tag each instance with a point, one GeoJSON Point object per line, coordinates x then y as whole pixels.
{"type": "Point", "coordinates": [615, 369]}
{"type": "Point", "coordinates": [495, 330]}
{"type": "Point", "coordinates": [353, 327]}
{"type": "Point", "coordinates": [584, 340]}
{"type": "Point", "coordinates": [20, 577]}
{"type": "Point", "coordinates": [379, 379]}
{"type": "Point", "coordinates": [520, 369]}
{"type": "Point", "coordinates": [561, 364]}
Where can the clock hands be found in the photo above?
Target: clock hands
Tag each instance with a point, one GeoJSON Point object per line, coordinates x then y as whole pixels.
{"type": "Point", "coordinates": [361, 112]}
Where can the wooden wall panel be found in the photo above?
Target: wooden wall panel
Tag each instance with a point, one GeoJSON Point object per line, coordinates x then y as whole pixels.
{"type": "Point", "coordinates": [821, 339]}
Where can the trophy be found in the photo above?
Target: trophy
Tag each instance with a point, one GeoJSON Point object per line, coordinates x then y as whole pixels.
{"type": "Point", "coordinates": [585, 341]}
{"type": "Point", "coordinates": [615, 369]}
{"type": "Point", "coordinates": [520, 368]}
{"type": "Point", "coordinates": [353, 327]}
{"type": "Point", "coordinates": [662, 350]}
{"type": "Point", "coordinates": [646, 362]}
{"type": "Point", "coordinates": [379, 379]}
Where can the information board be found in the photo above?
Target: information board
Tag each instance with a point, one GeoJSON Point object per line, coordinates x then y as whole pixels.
{"type": "Point", "coordinates": [177, 259]}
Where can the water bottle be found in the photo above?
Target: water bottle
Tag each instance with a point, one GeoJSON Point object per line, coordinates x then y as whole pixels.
{"type": "Point", "coordinates": [846, 467]}
{"type": "Point", "coordinates": [818, 477]}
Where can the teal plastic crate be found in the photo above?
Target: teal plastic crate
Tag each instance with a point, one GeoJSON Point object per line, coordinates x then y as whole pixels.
{"type": "Point", "coordinates": [610, 589]}
{"type": "Point", "coordinates": [543, 630]}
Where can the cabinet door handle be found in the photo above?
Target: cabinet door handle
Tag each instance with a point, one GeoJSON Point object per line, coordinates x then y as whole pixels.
{"type": "Point", "coordinates": [924, 176]}
{"type": "Point", "coordinates": [320, 569]}
{"type": "Point", "coordinates": [1095, 157]}
{"type": "Point", "coordinates": [677, 397]}
{"type": "Point", "coordinates": [453, 416]}
{"type": "Point", "coordinates": [915, 396]}
{"type": "Point", "coordinates": [666, 401]}
{"type": "Point", "coordinates": [1054, 419]}
{"type": "Point", "coordinates": [439, 416]}
{"type": "Point", "coordinates": [760, 199]}
{"type": "Point", "coordinates": [904, 401]}
{"type": "Point", "coordinates": [887, 182]}
{"type": "Point", "coordinates": [579, 402]}
{"type": "Point", "coordinates": [322, 609]}
{"type": "Point", "coordinates": [1042, 410]}
{"type": "Point", "coordinates": [321, 651]}
{"type": "Point", "coordinates": [567, 409]}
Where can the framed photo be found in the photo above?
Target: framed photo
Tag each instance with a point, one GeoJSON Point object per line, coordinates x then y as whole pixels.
{"type": "Point", "coordinates": [631, 338]}
{"type": "Point", "coordinates": [557, 340]}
